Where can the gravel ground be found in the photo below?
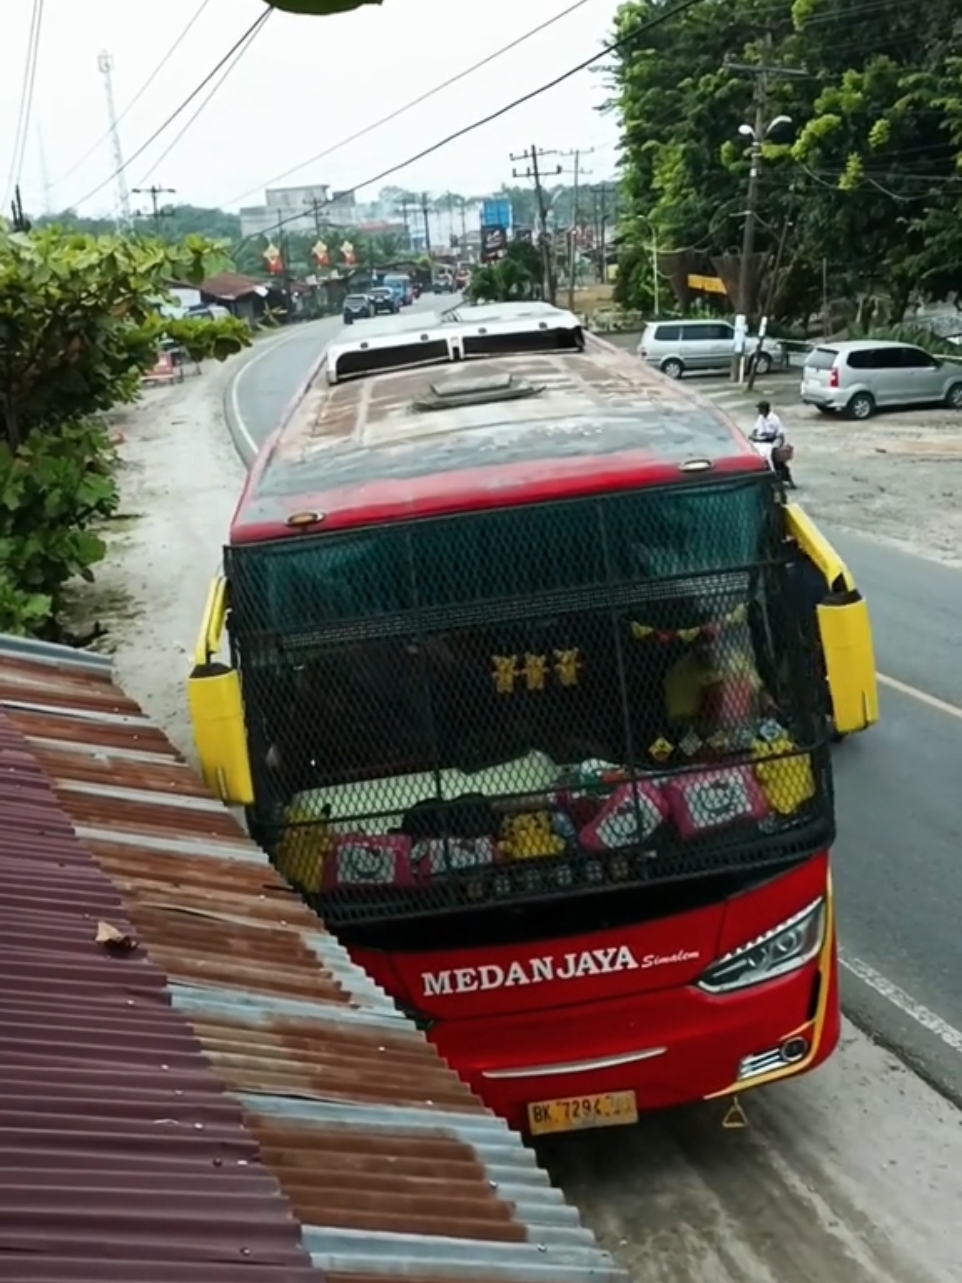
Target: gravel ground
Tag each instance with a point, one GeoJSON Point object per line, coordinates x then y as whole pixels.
{"type": "Point", "coordinates": [179, 480]}
{"type": "Point", "coordinates": [853, 1175]}
{"type": "Point", "coordinates": [897, 477]}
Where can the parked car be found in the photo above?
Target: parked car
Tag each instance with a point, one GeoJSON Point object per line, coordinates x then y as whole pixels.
{"type": "Point", "coordinates": [678, 348]}
{"type": "Point", "coordinates": [357, 307]}
{"type": "Point", "coordinates": [207, 312]}
{"type": "Point", "coordinates": [859, 376]}
{"type": "Point", "coordinates": [384, 301]}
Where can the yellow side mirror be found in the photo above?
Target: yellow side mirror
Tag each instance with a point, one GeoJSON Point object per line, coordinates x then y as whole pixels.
{"type": "Point", "coordinates": [845, 629]}
{"type": "Point", "coordinates": [216, 708]}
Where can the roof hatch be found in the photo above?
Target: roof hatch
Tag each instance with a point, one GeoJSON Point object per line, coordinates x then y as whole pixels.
{"type": "Point", "coordinates": [456, 392]}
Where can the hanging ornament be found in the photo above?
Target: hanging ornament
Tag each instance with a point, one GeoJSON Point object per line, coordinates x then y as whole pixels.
{"type": "Point", "coordinates": [347, 253]}
{"type": "Point", "coordinates": [321, 256]}
{"type": "Point", "coordinates": [274, 259]}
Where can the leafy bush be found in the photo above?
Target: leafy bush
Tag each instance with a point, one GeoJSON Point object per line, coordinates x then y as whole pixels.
{"type": "Point", "coordinates": [54, 490]}
{"type": "Point", "coordinates": [79, 324]}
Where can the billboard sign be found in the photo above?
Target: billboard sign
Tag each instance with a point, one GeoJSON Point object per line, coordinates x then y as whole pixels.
{"type": "Point", "coordinates": [494, 242]}
{"type": "Point", "coordinates": [496, 212]}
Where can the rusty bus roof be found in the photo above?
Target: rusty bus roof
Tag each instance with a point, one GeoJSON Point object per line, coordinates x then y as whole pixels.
{"type": "Point", "coordinates": [438, 427]}
{"type": "Point", "coordinates": [236, 1065]}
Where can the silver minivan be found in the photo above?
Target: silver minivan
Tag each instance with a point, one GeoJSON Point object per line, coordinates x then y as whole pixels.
{"type": "Point", "coordinates": [678, 348]}
{"type": "Point", "coordinates": [859, 376]}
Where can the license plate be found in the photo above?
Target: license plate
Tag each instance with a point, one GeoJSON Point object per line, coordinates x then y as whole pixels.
{"type": "Point", "coordinates": [573, 1113]}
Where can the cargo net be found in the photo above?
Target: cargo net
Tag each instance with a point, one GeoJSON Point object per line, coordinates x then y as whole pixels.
{"type": "Point", "coordinates": [530, 703]}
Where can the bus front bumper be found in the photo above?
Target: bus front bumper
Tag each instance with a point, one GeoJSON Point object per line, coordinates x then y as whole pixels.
{"type": "Point", "coordinates": [670, 1047]}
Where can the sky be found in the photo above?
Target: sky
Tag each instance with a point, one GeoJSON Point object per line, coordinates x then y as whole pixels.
{"type": "Point", "coordinates": [303, 85]}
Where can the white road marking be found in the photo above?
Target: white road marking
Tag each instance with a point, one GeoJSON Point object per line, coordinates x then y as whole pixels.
{"type": "Point", "coordinates": [268, 347]}
{"type": "Point", "coordinates": [923, 697]}
{"type": "Point", "coordinates": [946, 1033]}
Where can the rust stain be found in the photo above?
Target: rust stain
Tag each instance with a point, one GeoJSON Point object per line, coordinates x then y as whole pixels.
{"type": "Point", "coordinates": [433, 1187]}
{"type": "Point", "coordinates": [122, 1158]}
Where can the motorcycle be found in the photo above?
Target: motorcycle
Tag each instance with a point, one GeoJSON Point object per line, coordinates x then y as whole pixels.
{"type": "Point", "coordinates": [778, 456]}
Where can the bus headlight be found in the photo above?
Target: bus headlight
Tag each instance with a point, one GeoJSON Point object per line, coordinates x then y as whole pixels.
{"type": "Point", "coordinates": [783, 949]}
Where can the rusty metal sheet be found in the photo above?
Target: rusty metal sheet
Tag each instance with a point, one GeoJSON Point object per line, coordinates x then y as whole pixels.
{"type": "Point", "coordinates": [392, 1166]}
{"type": "Point", "coordinates": [120, 1153]}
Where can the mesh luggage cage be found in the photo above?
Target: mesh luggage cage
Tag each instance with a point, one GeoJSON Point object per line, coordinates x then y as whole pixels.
{"type": "Point", "coordinates": [517, 704]}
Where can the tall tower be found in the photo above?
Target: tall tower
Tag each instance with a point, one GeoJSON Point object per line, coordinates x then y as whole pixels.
{"type": "Point", "coordinates": [106, 64]}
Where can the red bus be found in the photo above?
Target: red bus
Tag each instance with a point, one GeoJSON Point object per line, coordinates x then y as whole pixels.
{"type": "Point", "coordinates": [526, 672]}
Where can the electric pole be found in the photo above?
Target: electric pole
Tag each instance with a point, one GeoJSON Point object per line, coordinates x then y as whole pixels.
{"type": "Point", "coordinates": [573, 236]}
{"type": "Point", "coordinates": [315, 206]}
{"type": "Point", "coordinates": [762, 73]}
{"type": "Point", "coordinates": [105, 63]}
{"type": "Point", "coordinates": [427, 224]}
{"type": "Point", "coordinates": [403, 208]}
{"type": "Point", "coordinates": [533, 171]}
{"type": "Point", "coordinates": [153, 191]}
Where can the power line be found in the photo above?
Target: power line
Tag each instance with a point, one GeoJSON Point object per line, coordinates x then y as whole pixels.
{"type": "Point", "coordinates": [251, 37]}
{"type": "Point", "coordinates": [138, 95]}
{"type": "Point", "coordinates": [663, 16]}
{"type": "Point", "coordinates": [415, 102]}
{"type": "Point", "coordinates": [249, 33]}
{"type": "Point", "coordinates": [22, 131]}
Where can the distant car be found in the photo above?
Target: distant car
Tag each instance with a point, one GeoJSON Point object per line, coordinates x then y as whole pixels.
{"type": "Point", "coordinates": [443, 285]}
{"type": "Point", "coordinates": [678, 348]}
{"type": "Point", "coordinates": [859, 376]}
{"type": "Point", "coordinates": [357, 307]}
{"type": "Point", "coordinates": [383, 300]}
{"type": "Point", "coordinates": [206, 312]}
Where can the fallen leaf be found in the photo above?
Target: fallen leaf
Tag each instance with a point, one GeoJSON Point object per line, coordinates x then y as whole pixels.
{"type": "Point", "coordinates": [112, 937]}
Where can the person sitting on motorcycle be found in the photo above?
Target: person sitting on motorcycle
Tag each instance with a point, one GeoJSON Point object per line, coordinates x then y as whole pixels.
{"type": "Point", "coordinates": [768, 436]}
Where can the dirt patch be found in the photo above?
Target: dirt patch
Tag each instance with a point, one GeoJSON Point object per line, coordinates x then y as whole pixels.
{"type": "Point", "coordinates": [896, 477]}
{"type": "Point", "coordinates": [592, 298]}
{"type": "Point", "coordinates": [179, 480]}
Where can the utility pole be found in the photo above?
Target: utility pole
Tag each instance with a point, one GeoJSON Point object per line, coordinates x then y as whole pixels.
{"type": "Point", "coordinates": [153, 191]}
{"type": "Point", "coordinates": [19, 222]}
{"type": "Point", "coordinates": [427, 223]}
{"type": "Point", "coordinates": [105, 63]}
{"type": "Point", "coordinates": [762, 73]}
{"type": "Point", "coordinates": [601, 224]}
{"type": "Point", "coordinates": [533, 171]}
{"type": "Point", "coordinates": [315, 206]}
{"type": "Point", "coordinates": [403, 211]}
{"type": "Point", "coordinates": [573, 235]}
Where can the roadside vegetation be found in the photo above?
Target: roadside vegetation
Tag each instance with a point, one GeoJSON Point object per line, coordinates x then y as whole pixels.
{"type": "Point", "coordinates": [80, 323]}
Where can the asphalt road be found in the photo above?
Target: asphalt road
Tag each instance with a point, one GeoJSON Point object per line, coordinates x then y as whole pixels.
{"type": "Point", "coordinates": [898, 858]}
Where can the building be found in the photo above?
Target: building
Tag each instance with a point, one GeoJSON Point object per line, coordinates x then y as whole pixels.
{"type": "Point", "coordinates": [298, 209]}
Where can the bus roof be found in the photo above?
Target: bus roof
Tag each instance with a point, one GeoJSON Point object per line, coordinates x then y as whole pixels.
{"type": "Point", "coordinates": [471, 408]}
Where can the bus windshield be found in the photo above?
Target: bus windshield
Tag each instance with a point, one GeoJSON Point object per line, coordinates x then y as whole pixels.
{"type": "Point", "coordinates": [509, 705]}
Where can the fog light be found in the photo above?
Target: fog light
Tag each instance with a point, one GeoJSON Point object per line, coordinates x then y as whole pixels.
{"type": "Point", "coordinates": [794, 1050]}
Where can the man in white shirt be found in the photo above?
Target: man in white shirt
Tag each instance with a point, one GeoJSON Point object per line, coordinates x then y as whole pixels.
{"type": "Point", "coordinates": [768, 438]}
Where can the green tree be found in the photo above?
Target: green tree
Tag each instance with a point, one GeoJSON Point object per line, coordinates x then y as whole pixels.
{"type": "Point", "coordinates": [79, 323]}
{"type": "Point", "coordinates": [865, 183]}
{"type": "Point", "coordinates": [514, 278]}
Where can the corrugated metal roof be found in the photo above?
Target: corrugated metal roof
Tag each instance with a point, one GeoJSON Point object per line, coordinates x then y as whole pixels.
{"type": "Point", "coordinates": [121, 1155]}
{"type": "Point", "coordinates": [392, 1166]}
